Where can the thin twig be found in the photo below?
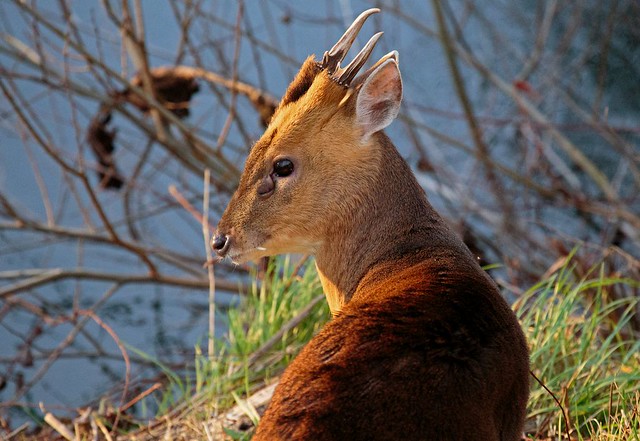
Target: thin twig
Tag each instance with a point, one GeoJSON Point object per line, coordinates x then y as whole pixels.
{"type": "Point", "coordinates": [210, 272]}
{"type": "Point", "coordinates": [564, 413]}
{"type": "Point", "coordinates": [179, 197]}
{"type": "Point", "coordinates": [135, 45]}
{"type": "Point", "coordinates": [234, 78]}
{"type": "Point", "coordinates": [140, 396]}
{"type": "Point", "coordinates": [125, 356]}
{"type": "Point", "coordinates": [541, 38]}
{"type": "Point", "coordinates": [39, 277]}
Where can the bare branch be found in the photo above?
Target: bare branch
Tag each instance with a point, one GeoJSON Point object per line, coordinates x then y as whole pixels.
{"type": "Point", "coordinates": [39, 277]}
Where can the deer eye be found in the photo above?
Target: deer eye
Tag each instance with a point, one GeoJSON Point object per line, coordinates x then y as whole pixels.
{"type": "Point", "coordinates": [282, 168]}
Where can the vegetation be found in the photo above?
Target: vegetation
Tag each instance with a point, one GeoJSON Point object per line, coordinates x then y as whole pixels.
{"type": "Point", "coordinates": [585, 358]}
{"type": "Point", "coordinates": [585, 354]}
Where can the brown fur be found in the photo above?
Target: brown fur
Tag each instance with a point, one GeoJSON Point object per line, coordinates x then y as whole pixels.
{"type": "Point", "coordinates": [422, 345]}
{"type": "Point", "coordinates": [300, 85]}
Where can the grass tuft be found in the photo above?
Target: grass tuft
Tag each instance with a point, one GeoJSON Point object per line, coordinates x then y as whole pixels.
{"type": "Point", "coordinates": [583, 349]}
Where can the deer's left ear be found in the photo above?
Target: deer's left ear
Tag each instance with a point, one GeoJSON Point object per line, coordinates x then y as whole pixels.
{"type": "Point", "coordinates": [378, 101]}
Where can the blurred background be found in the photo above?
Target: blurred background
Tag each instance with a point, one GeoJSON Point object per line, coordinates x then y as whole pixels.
{"type": "Point", "coordinates": [521, 119]}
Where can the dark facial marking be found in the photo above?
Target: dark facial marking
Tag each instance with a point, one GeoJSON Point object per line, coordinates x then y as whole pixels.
{"type": "Point", "coordinates": [301, 83]}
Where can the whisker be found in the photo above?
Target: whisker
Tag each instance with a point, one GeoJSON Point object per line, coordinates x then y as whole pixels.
{"type": "Point", "coordinates": [211, 262]}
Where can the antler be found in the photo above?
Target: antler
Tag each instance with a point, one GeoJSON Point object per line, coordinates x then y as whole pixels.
{"type": "Point", "coordinates": [332, 58]}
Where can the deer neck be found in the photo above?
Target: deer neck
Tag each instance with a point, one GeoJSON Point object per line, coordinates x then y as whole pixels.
{"type": "Point", "coordinates": [389, 220]}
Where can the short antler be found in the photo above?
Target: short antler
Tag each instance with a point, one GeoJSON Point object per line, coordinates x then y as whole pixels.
{"type": "Point", "coordinates": [332, 58]}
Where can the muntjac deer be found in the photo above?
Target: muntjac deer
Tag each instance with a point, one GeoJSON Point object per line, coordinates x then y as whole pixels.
{"type": "Point", "coordinates": [421, 345]}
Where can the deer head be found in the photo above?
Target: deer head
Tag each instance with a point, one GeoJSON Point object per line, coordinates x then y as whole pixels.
{"type": "Point", "coordinates": [313, 165]}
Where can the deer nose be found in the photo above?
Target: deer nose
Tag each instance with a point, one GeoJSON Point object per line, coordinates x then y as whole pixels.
{"type": "Point", "coordinates": [220, 243]}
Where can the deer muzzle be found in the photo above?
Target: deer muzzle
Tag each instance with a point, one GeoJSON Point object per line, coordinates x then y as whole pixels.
{"type": "Point", "coordinates": [220, 244]}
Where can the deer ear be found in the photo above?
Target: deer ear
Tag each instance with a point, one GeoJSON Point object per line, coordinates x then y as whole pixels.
{"type": "Point", "coordinates": [378, 101]}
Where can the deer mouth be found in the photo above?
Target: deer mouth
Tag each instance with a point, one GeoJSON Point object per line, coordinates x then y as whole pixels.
{"type": "Point", "coordinates": [225, 247]}
{"type": "Point", "coordinates": [238, 257]}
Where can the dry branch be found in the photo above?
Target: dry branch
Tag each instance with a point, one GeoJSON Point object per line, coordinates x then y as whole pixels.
{"type": "Point", "coordinates": [39, 277]}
